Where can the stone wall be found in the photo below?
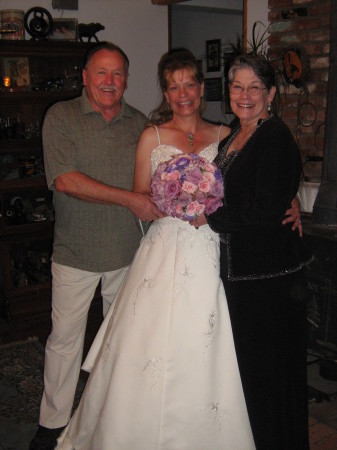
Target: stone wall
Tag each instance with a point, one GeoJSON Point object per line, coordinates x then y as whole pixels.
{"type": "Point", "coordinates": [303, 25]}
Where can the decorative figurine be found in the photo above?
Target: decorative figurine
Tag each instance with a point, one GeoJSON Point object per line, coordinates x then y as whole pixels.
{"type": "Point", "coordinates": [89, 30]}
{"type": "Point", "coordinates": [38, 23]}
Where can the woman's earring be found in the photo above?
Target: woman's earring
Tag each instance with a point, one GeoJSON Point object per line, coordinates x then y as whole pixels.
{"type": "Point", "coordinates": [169, 106]}
{"type": "Point", "coordinates": [269, 108]}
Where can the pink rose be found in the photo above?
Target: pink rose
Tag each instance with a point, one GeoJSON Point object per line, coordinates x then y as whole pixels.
{"type": "Point", "coordinates": [194, 209]}
{"type": "Point", "coordinates": [208, 167]}
{"type": "Point", "coordinates": [191, 209]}
{"type": "Point", "coordinates": [209, 177]}
{"type": "Point", "coordinates": [200, 209]}
{"type": "Point", "coordinates": [204, 186]}
{"type": "Point", "coordinates": [189, 187]}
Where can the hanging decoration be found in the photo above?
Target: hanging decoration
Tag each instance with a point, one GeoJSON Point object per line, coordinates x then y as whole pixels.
{"type": "Point", "coordinates": [295, 67]}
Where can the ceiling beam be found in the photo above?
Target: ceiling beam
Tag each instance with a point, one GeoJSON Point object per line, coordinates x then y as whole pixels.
{"type": "Point", "coordinates": [167, 2]}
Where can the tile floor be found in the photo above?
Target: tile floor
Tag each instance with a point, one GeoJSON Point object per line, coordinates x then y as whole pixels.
{"type": "Point", "coordinates": [322, 408]}
{"type": "Point", "coordinates": [323, 425]}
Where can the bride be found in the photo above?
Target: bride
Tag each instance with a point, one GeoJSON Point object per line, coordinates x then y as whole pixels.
{"type": "Point", "coordinates": [164, 374]}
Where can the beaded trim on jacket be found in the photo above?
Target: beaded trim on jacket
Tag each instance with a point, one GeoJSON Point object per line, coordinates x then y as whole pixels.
{"type": "Point", "coordinates": [226, 239]}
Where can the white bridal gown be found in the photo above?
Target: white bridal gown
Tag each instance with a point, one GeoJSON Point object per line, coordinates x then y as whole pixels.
{"type": "Point", "coordinates": [164, 374]}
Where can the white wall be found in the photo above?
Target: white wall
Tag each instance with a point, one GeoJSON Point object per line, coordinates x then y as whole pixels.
{"type": "Point", "coordinates": [257, 11]}
{"type": "Point", "coordinates": [137, 26]}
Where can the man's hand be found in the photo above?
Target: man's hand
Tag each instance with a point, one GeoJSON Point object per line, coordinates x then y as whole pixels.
{"type": "Point", "coordinates": [293, 215]}
{"type": "Point", "coordinates": [142, 207]}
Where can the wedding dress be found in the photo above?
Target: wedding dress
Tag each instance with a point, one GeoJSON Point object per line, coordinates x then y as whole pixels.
{"type": "Point", "coordinates": [164, 374]}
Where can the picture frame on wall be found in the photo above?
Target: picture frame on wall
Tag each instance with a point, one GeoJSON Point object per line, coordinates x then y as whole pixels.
{"type": "Point", "coordinates": [228, 58]}
{"type": "Point", "coordinates": [213, 89]}
{"type": "Point", "coordinates": [17, 70]}
{"type": "Point", "coordinates": [64, 30]}
{"type": "Point", "coordinates": [213, 55]}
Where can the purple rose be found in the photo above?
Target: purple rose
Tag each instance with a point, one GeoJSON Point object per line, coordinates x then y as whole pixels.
{"type": "Point", "coordinates": [172, 189]}
{"type": "Point", "coordinates": [200, 197]}
{"type": "Point", "coordinates": [194, 175]}
{"type": "Point", "coordinates": [217, 189]}
{"type": "Point", "coordinates": [185, 198]}
{"type": "Point", "coordinates": [217, 175]}
{"type": "Point", "coordinates": [212, 204]}
{"type": "Point", "coordinates": [160, 169]}
{"type": "Point", "coordinates": [179, 163]}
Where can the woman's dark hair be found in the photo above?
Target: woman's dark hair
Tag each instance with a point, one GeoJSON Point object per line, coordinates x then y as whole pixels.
{"type": "Point", "coordinates": [105, 46]}
{"type": "Point", "coordinates": [261, 67]}
{"type": "Point", "coordinates": [175, 59]}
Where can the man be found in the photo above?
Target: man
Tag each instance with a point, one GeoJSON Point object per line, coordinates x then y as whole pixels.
{"type": "Point", "coordinates": [89, 149]}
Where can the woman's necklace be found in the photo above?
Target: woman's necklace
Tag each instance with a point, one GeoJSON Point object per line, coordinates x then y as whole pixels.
{"type": "Point", "coordinates": [190, 138]}
{"type": "Point", "coordinates": [241, 138]}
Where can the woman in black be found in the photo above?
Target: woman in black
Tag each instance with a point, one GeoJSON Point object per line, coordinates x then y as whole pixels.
{"type": "Point", "coordinates": [261, 259]}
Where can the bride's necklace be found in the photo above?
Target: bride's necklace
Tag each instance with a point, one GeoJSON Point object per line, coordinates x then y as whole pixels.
{"type": "Point", "coordinates": [190, 138]}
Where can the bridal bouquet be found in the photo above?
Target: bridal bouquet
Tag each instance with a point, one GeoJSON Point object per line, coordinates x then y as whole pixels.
{"type": "Point", "coordinates": [187, 186]}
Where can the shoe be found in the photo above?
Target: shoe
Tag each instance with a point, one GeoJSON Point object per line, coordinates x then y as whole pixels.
{"type": "Point", "coordinates": [45, 438]}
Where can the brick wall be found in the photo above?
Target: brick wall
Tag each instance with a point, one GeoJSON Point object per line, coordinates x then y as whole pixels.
{"type": "Point", "coordinates": [303, 25]}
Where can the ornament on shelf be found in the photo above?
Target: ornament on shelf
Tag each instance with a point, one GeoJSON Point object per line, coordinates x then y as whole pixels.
{"type": "Point", "coordinates": [38, 23]}
{"type": "Point", "coordinates": [89, 30]}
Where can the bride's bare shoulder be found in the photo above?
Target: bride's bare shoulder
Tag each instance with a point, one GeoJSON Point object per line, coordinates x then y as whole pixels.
{"type": "Point", "coordinates": [215, 128]}
{"type": "Point", "coordinates": [225, 131]}
{"type": "Point", "coordinates": [148, 136]}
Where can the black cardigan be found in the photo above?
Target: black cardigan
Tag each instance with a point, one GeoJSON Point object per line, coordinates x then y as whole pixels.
{"type": "Point", "coordinates": [259, 182]}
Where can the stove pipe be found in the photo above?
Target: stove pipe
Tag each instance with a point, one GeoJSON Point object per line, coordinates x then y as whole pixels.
{"type": "Point", "coordinates": [325, 206]}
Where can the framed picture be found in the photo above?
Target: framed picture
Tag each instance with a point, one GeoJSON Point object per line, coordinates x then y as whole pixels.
{"type": "Point", "coordinates": [17, 69]}
{"type": "Point", "coordinates": [213, 89]}
{"type": "Point", "coordinates": [64, 30]}
{"type": "Point", "coordinates": [228, 59]}
{"type": "Point", "coordinates": [213, 55]}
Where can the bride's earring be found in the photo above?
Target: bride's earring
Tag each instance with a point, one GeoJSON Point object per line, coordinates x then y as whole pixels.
{"type": "Point", "coordinates": [269, 108]}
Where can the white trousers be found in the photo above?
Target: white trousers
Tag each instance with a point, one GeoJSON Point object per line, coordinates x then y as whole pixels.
{"type": "Point", "coordinates": [72, 293]}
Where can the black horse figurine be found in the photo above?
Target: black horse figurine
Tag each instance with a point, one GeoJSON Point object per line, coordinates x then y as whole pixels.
{"type": "Point", "coordinates": [89, 30]}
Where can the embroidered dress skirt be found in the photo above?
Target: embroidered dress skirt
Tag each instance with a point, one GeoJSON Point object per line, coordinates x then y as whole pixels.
{"type": "Point", "coordinates": [164, 374]}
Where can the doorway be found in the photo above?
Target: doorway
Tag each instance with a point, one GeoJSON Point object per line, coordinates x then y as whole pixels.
{"type": "Point", "coordinates": [208, 27]}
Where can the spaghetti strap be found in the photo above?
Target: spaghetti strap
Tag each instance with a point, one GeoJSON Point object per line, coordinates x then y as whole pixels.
{"type": "Point", "coordinates": [220, 128]}
{"type": "Point", "coordinates": [156, 128]}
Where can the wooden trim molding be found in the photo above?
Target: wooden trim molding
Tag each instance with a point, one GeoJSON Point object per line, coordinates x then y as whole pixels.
{"type": "Point", "coordinates": [245, 24]}
{"type": "Point", "coordinates": [167, 2]}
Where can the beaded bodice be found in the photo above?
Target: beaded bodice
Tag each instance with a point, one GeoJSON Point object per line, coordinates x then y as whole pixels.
{"type": "Point", "coordinates": [165, 152]}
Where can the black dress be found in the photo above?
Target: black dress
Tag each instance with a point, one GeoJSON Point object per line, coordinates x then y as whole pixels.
{"type": "Point", "coordinates": [261, 262]}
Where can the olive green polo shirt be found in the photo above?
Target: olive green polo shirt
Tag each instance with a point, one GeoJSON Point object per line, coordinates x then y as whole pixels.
{"type": "Point", "coordinates": [91, 236]}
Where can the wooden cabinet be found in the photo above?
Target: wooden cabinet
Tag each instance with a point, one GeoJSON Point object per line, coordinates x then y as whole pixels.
{"type": "Point", "coordinates": [33, 76]}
